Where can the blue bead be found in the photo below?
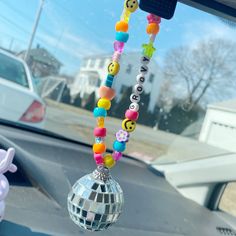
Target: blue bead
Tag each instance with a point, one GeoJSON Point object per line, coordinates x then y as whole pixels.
{"type": "Point", "coordinates": [110, 77]}
{"type": "Point", "coordinates": [119, 146]}
{"type": "Point", "coordinates": [122, 37]}
{"type": "Point", "coordinates": [99, 112]}
{"type": "Point", "coordinates": [108, 83]}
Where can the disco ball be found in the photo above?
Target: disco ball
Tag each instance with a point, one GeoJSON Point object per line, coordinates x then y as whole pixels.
{"type": "Point", "coordinates": [95, 201]}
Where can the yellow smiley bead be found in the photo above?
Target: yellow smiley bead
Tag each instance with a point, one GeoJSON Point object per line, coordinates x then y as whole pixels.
{"type": "Point", "coordinates": [104, 103]}
{"type": "Point", "coordinates": [131, 5]}
{"type": "Point", "coordinates": [109, 162]}
{"type": "Point", "coordinates": [128, 125]}
{"type": "Point", "coordinates": [113, 68]}
{"type": "Point", "coordinates": [100, 122]}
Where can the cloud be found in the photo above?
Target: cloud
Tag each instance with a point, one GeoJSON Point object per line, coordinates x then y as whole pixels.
{"type": "Point", "coordinates": [199, 30]}
{"type": "Point", "coordinates": [71, 44]}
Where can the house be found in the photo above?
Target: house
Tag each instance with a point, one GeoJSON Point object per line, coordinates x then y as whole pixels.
{"type": "Point", "coordinates": [41, 62]}
{"type": "Point", "coordinates": [219, 126]}
{"type": "Point", "coordinates": [93, 72]}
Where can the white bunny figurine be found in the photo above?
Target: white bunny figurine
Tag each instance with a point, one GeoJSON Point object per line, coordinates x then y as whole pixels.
{"type": "Point", "coordinates": [6, 158]}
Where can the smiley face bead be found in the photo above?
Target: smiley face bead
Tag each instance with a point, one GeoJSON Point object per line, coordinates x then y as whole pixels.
{"type": "Point", "coordinates": [113, 68]}
{"type": "Point", "coordinates": [128, 125]}
{"type": "Point", "coordinates": [131, 5]}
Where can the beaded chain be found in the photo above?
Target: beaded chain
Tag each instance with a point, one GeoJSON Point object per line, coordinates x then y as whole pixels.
{"type": "Point", "coordinates": [106, 92]}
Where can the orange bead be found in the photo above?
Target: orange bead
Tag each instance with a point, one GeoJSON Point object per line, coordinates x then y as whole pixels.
{"type": "Point", "coordinates": [106, 92]}
{"type": "Point", "coordinates": [153, 28]}
{"type": "Point", "coordinates": [99, 148]}
{"type": "Point", "coordinates": [122, 26]}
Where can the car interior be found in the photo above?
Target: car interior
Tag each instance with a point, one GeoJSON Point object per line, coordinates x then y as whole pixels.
{"type": "Point", "coordinates": [167, 199]}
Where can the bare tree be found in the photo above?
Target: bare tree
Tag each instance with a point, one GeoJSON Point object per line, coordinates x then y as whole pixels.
{"type": "Point", "coordinates": [208, 66]}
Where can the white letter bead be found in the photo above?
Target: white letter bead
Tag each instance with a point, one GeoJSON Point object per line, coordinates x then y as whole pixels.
{"type": "Point", "coordinates": [134, 98]}
{"type": "Point", "coordinates": [143, 69]}
{"type": "Point", "coordinates": [138, 88]}
{"type": "Point", "coordinates": [140, 79]}
{"type": "Point", "coordinates": [145, 60]}
{"type": "Point", "coordinates": [134, 106]}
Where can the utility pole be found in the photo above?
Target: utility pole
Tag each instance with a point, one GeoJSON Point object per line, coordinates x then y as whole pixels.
{"type": "Point", "coordinates": [34, 29]}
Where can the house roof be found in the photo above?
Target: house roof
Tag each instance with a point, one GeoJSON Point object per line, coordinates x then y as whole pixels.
{"type": "Point", "coordinates": [229, 105]}
{"type": "Point", "coordinates": [42, 55]}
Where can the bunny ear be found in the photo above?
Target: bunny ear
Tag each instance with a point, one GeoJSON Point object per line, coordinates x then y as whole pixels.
{"type": "Point", "coordinates": [7, 161]}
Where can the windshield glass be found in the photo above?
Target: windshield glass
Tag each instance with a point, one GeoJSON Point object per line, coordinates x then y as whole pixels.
{"type": "Point", "coordinates": [12, 70]}
{"type": "Point", "coordinates": [188, 108]}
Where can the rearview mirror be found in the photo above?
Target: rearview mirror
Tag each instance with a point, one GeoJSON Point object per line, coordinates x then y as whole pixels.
{"type": "Point", "coordinates": [162, 8]}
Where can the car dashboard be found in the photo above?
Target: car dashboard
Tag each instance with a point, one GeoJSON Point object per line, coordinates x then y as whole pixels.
{"type": "Point", "coordinates": [47, 168]}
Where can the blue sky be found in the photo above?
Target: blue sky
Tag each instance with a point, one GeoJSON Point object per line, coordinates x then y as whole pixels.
{"type": "Point", "coordinates": [72, 29]}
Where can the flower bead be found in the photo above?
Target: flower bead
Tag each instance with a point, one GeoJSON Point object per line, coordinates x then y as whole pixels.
{"type": "Point", "coordinates": [122, 136]}
{"type": "Point", "coordinates": [153, 19]}
{"type": "Point", "coordinates": [119, 146]}
{"type": "Point", "coordinates": [116, 155]}
{"type": "Point", "coordinates": [104, 103]}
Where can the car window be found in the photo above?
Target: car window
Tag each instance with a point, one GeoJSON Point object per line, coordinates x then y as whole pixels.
{"type": "Point", "coordinates": [227, 202]}
{"type": "Point", "coordinates": [12, 70]}
{"type": "Point", "coordinates": [188, 107]}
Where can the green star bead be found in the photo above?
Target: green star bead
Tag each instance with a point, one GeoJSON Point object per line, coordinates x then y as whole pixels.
{"type": "Point", "coordinates": [148, 49]}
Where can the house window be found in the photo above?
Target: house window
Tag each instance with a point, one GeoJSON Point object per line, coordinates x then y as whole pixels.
{"type": "Point", "coordinates": [129, 69]}
{"type": "Point", "coordinates": [98, 83]}
{"type": "Point", "coordinates": [92, 63]}
{"type": "Point", "coordinates": [151, 78]}
{"type": "Point", "coordinates": [85, 63]}
{"type": "Point", "coordinates": [101, 63]}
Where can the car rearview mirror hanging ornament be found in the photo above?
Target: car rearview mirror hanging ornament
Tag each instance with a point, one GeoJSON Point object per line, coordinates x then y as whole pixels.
{"type": "Point", "coordinates": [96, 200]}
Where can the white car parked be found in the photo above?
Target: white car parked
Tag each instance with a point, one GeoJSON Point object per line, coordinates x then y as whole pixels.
{"type": "Point", "coordinates": [19, 101]}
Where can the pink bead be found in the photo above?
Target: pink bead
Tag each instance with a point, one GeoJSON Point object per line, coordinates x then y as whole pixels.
{"type": "Point", "coordinates": [100, 132]}
{"type": "Point", "coordinates": [116, 56]}
{"type": "Point", "coordinates": [98, 158]}
{"type": "Point", "coordinates": [131, 115]}
{"type": "Point", "coordinates": [106, 92]}
{"type": "Point", "coordinates": [119, 46]}
{"type": "Point", "coordinates": [153, 19]}
{"type": "Point", "coordinates": [117, 155]}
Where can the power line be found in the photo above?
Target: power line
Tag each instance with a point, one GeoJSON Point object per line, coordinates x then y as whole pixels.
{"type": "Point", "coordinates": [13, 23]}
{"type": "Point", "coordinates": [23, 15]}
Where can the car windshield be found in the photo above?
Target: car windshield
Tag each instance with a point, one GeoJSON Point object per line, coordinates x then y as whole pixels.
{"type": "Point", "coordinates": [188, 108]}
{"type": "Point", "coordinates": [12, 70]}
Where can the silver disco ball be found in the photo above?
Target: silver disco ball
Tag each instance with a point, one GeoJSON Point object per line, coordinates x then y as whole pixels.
{"type": "Point", "coordinates": [96, 200]}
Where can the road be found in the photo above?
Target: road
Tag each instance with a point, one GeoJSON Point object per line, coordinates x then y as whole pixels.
{"type": "Point", "coordinates": [145, 143]}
